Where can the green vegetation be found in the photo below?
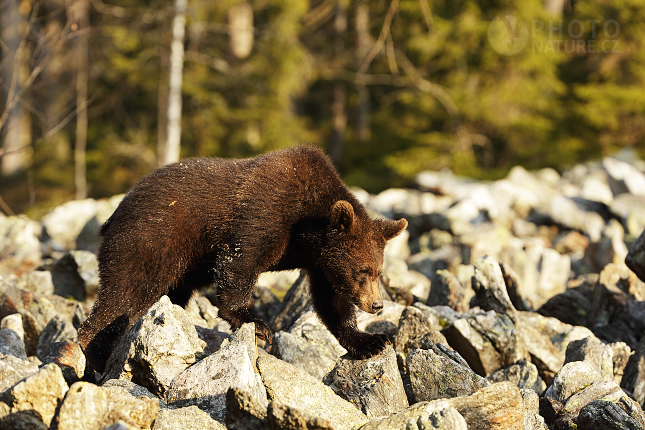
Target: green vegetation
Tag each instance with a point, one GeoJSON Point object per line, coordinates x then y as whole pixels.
{"type": "Point", "coordinates": [418, 86]}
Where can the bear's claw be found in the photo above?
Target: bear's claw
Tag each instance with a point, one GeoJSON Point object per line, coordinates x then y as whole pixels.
{"type": "Point", "coordinates": [368, 345]}
{"type": "Point", "coordinates": [262, 330]}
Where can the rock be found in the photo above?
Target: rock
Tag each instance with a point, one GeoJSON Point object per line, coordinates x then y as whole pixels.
{"type": "Point", "coordinates": [437, 414]}
{"type": "Point", "coordinates": [314, 349]}
{"type": "Point", "coordinates": [623, 177]}
{"type": "Point", "coordinates": [140, 411]}
{"type": "Point", "coordinates": [630, 210]}
{"type": "Point", "coordinates": [14, 322]}
{"type": "Point", "coordinates": [134, 390]}
{"type": "Point", "coordinates": [635, 259]}
{"type": "Point", "coordinates": [207, 311]}
{"type": "Point", "coordinates": [634, 374]}
{"type": "Point", "coordinates": [70, 358]}
{"type": "Point", "coordinates": [448, 257]}
{"type": "Point", "coordinates": [212, 338]}
{"type": "Point", "coordinates": [373, 385]}
{"type": "Point", "coordinates": [56, 330]}
{"type": "Point", "coordinates": [188, 418]}
{"type": "Point", "coordinates": [84, 406]}
{"type": "Point", "coordinates": [39, 394]}
{"type": "Point", "coordinates": [571, 307]}
{"type": "Point", "coordinates": [573, 214]}
{"type": "Point", "coordinates": [121, 425]}
{"type": "Point", "coordinates": [159, 346]}
{"type": "Point", "coordinates": [36, 312]}
{"type": "Point", "coordinates": [618, 277]}
{"type": "Point", "coordinates": [497, 406]}
{"type": "Point", "coordinates": [280, 417]}
{"type": "Point", "coordinates": [19, 244]}
{"type": "Point", "coordinates": [75, 275]}
{"type": "Point", "coordinates": [592, 351]}
{"type": "Point", "coordinates": [36, 281]}
{"type": "Point", "coordinates": [434, 376]}
{"type": "Point", "coordinates": [572, 378]}
{"type": "Point", "coordinates": [11, 344]}
{"type": "Point", "coordinates": [22, 421]}
{"type": "Point", "coordinates": [295, 303]}
{"type": "Point", "coordinates": [295, 388]}
{"type": "Point", "coordinates": [413, 325]}
{"type": "Point", "coordinates": [264, 305]}
{"type": "Point", "coordinates": [205, 383]}
{"type": "Point", "coordinates": [64, 223]}
{"type": "Point", "coordinates": [523, 374]}
{"type": "Point", "coordinates": [532, 418]}
{"type": "Point", "coordinates": [397, 275]}
{"type": "Point", "coordinates": [621, 353]}
{"type": "Point", "coordinates": [486, 340]}
{"type": "Point", "coordinates": [444, 314]}
{"type": "Point", "coordinates": [605, 415]}
{"type": "Point", "coordinates": [446, 290]}
{"type": "Point", "coordinates": [545, 340]}
{"type": "Point", "coordinates": [13, 369]}
{"type": "Point", "coordinates": [490, 288]}
{"type": "Point", "coordinates": [513, 288]}
{"type": "Point", "coordinates": [243, 412]}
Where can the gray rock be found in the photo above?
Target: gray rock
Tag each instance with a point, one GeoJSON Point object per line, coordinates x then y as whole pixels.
{"type": "Point", "coordinates": [373, 385]}
{"type": "Point", "coordinates": [212, 338]}
{"type": "Point", "coordinates": [265, 305]}
{"type": "Point", "coordinates": [56, 330]}
{"type": "Point", "coordinates": [243, 412]}
{"type": "Point", "coordinates": [121, 425]}
{"type": "Point", "coordinates": [205, 383]}
{"type": "Point", "coordinates": [630, 210]}
{"type": "Point", "coordinates": [295, 303]}
{"type": "Point", "coordinates": [36, 312]}
{"type": "Point", "coordinates": [545, 340]}
{"type": "Point", "coordinates": [605, 415]}
{"type": "Point", "coordinates": [281, 417]}
{"type": "Point", "coordinates": [635, 259]}
{"type": "Point", "coordinates": [14, 322]}
{"type": "Point", "coordinates": [295, 388]}
{"type": "Point", "coordinates": [490, 288]}
{"type": "Point", "coordinates": [523, 374]}
{"type": "Point", "coordinates": [513, 288]}
{"type": "Point", "coordinates": [66, 274]}
{"type": "Point", "coordinates": [156, 349]}
{"type": "Point", "coordinates": [435, 376]}
{"type": "Point", "coordinates": [446, 290]}
{"type": "Point", "coordinates": [70, 358]}
{"type": "Point", "coordinates": [134, 390]}
{"type": "Point", "coordinates": [11, 344]}
{"type": "Point", "coordinates": [314, 349]}
{"type": "Point", "coordinates": [623, 177]}
{"type": "Point", "coordinates": [187, 418]}
{"type": "Point", "coordinates": [571, 307]}
{"type": "Point", "coordinates": [621, 353]}
{"type": "Point", "coordinates": [397, 276]}
{"type": "Point", "coordinates": [13, 369]}
{"type": "Point", "coordinates": [497, 406]}
{"type": "Point", "coordinates": [486, 340]}
{"type": "Point", "coordinates": [21, 421]}
{"type": "Point", "coordinates": [84, 406]}
{"type": "Point", "coordinates": [447, 257]}
{"type": "Point", "coordinates": [19, 244]}
{"type": "Point", "coordinates": [592, 351]}
{"type": "Point", "coordinates": [385, 321]}
{"type": "Point", "coordinates": [444, 314]}
{"type": "Point", "coordinates": [634, 374]}
{"type": "Point", "coordinates": [413, 325]}
{"type": "Point", "coordinates": [532, 418]}
{"type": "Point", "coordinates": [36, 281]}
{"type": "Point", "coordinates": [64, 223]}
{"type": "Point", "coordinates": [39, 394]}
{"type": "Point", "coordinates": [573, 214]}
{"type": "Point", "coordinates": [140, 411]}
{"type": "Point", "coordinates": [572, 378]}
{"type": "Point", "coordinates": [437, 414]}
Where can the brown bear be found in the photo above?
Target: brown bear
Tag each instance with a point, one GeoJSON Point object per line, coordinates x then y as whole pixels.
{"type": "Point", "coordinates": [222, 222]}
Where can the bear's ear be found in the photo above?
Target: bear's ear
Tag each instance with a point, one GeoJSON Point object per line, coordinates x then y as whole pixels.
{"type": "Point", "coordinates": [342, 216]}
{"type": "Point", "coordinates": [393, 228]}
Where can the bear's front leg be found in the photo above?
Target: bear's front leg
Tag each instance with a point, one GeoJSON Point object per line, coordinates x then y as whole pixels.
{"type": "Point", "coordinates": [338, 313]}
{"type": "Point", "coordinates": [232, 312]}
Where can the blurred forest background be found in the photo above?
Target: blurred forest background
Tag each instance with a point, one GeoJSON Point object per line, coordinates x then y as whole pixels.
{"type": "Point", "coordinates": [95, 93]}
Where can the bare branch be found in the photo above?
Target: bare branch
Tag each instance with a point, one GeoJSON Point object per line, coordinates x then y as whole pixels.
{"type": "Point", "coordinates": [378, 45]}
{"type": "Point", "coordinates": [427, 15]}
{"type": "Point", "coordinates": [5, 207]}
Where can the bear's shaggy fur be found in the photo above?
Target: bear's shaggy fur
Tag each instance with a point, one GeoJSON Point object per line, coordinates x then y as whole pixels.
{"type": "Point", "coordinates": [224, 221]}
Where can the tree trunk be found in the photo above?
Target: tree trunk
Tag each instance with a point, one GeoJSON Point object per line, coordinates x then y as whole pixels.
{"type": "Point", "coordinates": [16, 131]}
{"type": "Point", "coordinates": [162, 106]}
{"type": "Point", "coordinates": [554, 6]}
{"type": "Point", "coordinates": [81, 21]}
{"type": "Point", "coordinates": [363, 44]}
{"type": "Point", "coordinates": [338, 113]}
{"type": "Point", "coordinates": [173, 137]}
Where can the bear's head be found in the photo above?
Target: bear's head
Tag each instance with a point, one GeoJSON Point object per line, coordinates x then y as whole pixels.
{"type": "Point", "coordinates": [352, 257]}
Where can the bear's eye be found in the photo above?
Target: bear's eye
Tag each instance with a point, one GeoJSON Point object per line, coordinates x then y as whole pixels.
{"type": "Point", "coordinates": [364, 271]}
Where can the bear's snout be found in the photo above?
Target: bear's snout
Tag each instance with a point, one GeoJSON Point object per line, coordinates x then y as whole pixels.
{"type": "Point", "coordinates": [377, 306]}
